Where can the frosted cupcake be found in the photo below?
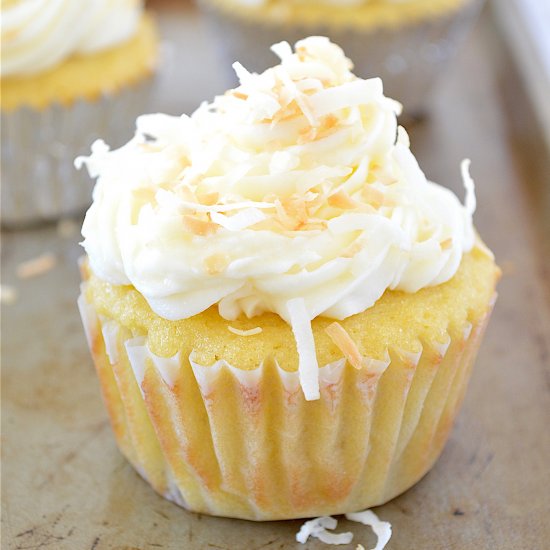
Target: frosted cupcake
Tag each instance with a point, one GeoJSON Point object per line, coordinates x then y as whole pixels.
{"type": "Point", "coordinates": [408, 43]}
{"type": "Point", "coordinates": [283, 312]}
{"type": "Point", "coordinates": [71, 71]}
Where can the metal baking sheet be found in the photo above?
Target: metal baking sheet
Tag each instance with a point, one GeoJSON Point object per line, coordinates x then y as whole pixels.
{"type": "Point", "coordinates": [64, 484]}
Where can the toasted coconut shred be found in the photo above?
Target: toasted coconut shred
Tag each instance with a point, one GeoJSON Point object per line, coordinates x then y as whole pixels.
{"type": "Point", "coordinates": [320, 528]}
{"type": "Point", "coordinates": [338, 334]}
{"type": "Point", "coordinates": [289, 194]}
{"type": "Point", "coordinates": [36, 266]}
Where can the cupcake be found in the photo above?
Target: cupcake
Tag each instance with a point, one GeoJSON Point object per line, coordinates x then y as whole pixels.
{"type": "Point", "coordinates": [71, 72]}
{"type": "Point", "coordinates": [406, 42]}
{"type": "Point", "coordinates": [282, 311]}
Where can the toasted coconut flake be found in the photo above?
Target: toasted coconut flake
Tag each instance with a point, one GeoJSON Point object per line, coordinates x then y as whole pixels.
{"type": "Point", "coordinates": [446, 244]}
{"type": "Point", "coordinates": [342, 200]}
{"type": "Point", "coordinates": [240, 95]}
{"type": "Point", "coordinates": [296, 208]}
{"type": "Point", "coordinates": [312, 133]}
{"type": "Point", "coordinates": [329, 122]}
{"type": "Point", "coordinates": [216, 263]}
{"type": "Point", "coordinates": [301, 52]}
{"type": "Point", "coordinates": [8, 294]}
{"type": "Point", "coordinates": [208, 198]}
{"type": "Point", "coordinates": [286, 221]}
{"type": "Point", "coordinates": [374, 197]}
{"type": "Point", "coordinates": [287, 113]}
{"type": "Point", "coordinates": [343, 341]}
{"type": "Point", "coordinates": [239, 332]}
{"type": "Point", "coordinates": [318, 225]}
{"type": "Point", "coordinates": [144, 194]}
{"type": "Point", "coordinates": [199, 227]}
{"type": "Point", "coordinates": [37, 266]}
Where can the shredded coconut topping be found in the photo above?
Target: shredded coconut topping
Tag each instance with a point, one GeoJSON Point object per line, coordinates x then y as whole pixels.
{"type": "Point", "coordinates": [297, 187]}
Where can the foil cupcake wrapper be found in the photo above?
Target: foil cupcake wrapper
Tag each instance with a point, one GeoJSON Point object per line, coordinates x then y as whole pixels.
{"type": "Point", "coordinates": [39, 180]}
{"type": "Point", "coordinates": [221, 440]}
{"type": "Point", "coordinates": [408, 57]}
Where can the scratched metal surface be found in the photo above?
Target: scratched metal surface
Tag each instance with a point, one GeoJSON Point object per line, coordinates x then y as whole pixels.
{"type": "Point", "coordinates": [64, 484]}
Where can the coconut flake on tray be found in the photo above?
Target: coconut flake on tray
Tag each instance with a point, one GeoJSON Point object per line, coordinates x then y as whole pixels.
{"type": "Point", "coordinates": [319, 528]}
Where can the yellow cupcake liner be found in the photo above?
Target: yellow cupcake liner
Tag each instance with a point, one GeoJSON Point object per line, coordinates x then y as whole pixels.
{"type": "Point", "coordinates": [39, 180]}
{"type": "Point", "coordinates": [409, 54]}
{"type": "Point", "coordinates": [220, 440]}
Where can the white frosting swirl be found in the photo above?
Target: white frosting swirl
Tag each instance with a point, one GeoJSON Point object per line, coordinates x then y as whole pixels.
{"type": "Point", "coordinates": [38, 34]}
{"type": "Point", "coordinates": [295, 193]}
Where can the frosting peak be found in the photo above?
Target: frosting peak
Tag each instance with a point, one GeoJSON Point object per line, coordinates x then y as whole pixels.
{"type": "Point", "coordinates": [294, 193]}
{"type": "Point", "coordinates": [38, 34]}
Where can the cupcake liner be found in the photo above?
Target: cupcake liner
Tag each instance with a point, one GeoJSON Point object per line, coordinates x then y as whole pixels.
{"type": "Point", "coordinates": [408, 57]}
{"type": "Point", "coordinates": [221, 440]}
{"type": "Point", "coordinates": [39, 181]}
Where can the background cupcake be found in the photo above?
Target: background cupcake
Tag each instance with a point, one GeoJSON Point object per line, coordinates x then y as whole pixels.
{"type": "Point", "coordinates": [406, 42]}
{"type": "Point", "coordinates": [70, 72]}
{"type": "Point", "coordinates": [283, 312]}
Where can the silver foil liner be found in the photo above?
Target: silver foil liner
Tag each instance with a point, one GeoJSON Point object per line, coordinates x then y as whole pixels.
{"type": "Point", "coordinates": [39, 181]}
{"type": "Point", "coordinates": [408, 57]}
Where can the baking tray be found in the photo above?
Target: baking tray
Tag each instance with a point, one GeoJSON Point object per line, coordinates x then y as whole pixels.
{"type": "Point", "coordinates": [64, 483]}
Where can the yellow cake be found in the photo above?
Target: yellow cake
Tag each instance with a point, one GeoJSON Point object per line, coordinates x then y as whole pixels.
{"type": "Point", "coordinates": [70, 71]}
{"type": "Point", "coordinates": [282, 311]}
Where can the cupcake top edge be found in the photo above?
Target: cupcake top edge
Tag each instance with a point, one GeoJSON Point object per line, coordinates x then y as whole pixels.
{"type": "Point", "coordinates": [295, 193]}
{"type": "Point", "coordinates": [37, 35]}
